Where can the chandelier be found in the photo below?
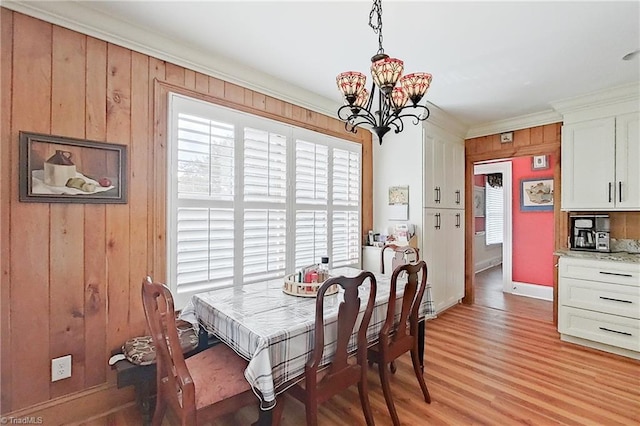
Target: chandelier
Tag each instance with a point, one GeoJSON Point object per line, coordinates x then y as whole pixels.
{"type": "Point", "coordinates": [391, 105]}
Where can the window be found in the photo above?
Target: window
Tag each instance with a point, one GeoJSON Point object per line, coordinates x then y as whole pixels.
{"type": "Point", "coordinates": [251, 199]}
{"type": "Point", "coordinates": [494, 199]}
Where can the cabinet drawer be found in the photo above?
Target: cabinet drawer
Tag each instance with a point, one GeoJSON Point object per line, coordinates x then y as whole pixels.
{"type": "Point", "coordinates": [602, 297]}
{"type": "Point", "coordinates": [608, 329]}
{"type": "Point", "coordinates": [602, 271]}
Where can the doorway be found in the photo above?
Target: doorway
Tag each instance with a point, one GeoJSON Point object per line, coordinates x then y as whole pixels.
{"type": "Point", "coordinates": [494, 283]}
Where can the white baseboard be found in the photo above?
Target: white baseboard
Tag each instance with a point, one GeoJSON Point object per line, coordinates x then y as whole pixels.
{"type": "Point", "coordinates": [532, 290]}
{"type": "Point", "coordinates": [488, 263]}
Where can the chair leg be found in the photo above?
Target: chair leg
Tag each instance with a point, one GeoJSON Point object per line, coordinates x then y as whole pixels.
{"type": "Point", "coordinates": [158, 413]}
{"type": "Point", "coordinates": [364, 399]}
{"type": "Point", "coordinates": [386, 390]}
{"type": "Point", "coordinates": [415, 359]}
{"type": "Point", "coordinates": [311, 409]}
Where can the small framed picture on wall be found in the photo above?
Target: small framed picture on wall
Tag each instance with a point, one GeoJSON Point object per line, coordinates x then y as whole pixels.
{"type": "Point", "coordinates": [540, 162]}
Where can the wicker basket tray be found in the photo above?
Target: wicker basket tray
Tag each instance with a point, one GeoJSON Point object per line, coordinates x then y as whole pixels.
{"type": "Point", "coordinates": [304, 289]}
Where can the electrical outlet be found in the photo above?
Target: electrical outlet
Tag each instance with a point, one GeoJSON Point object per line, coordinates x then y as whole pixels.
{"type": "Point", "coordinates": [61, 368]}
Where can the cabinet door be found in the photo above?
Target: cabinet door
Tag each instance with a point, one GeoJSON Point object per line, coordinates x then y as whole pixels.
{"type": "Point", "coordinates": [435, 257]}
{"type": "Point", "coordinates": [628, 162]}
{"type": "Point", "coordinates": [588, 165]}
{"type": "Point", "coordinates": [434, 169]}
{"type": "Point", "coordinates": [454, 175]}
{"type": "Point", "coordinates": [455, 255]}
{"type": "Point", "coordinates": [444, 254]}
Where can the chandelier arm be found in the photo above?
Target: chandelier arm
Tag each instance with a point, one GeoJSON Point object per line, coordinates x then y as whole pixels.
{"type": "Point", "coordinates": [416, 117]}
{"type": "Point", "coordinates": [363, 116]}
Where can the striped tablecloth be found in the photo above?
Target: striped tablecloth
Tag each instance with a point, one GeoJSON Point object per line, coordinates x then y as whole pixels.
{"type": "Point", "coordinates": [274, 330]}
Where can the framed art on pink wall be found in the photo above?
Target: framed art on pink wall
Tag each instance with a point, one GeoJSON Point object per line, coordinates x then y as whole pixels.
{"type": "Point", "coordinates": [536, 194]}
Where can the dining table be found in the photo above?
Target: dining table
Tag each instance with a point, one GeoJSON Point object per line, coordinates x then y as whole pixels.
{"type": "Point", "coordinates": [273, 330]}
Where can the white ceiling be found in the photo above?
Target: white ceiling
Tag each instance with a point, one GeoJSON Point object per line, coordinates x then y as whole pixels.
{"type": "Point", "coordinates": [490, 61]}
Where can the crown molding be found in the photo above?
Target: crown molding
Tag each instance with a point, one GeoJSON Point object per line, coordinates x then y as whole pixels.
{"type": "Point", "coordinates": [446, 121]}
{"type": "Point", "coordinates": [617, 100]}
{"type": "Point", "coordinates": [80, 17]}
{"type": "Point", "coordinates": [516, 123]}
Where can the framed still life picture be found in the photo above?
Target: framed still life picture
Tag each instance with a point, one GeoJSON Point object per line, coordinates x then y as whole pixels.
{"type": "Point", "coordinates": [56, 169]}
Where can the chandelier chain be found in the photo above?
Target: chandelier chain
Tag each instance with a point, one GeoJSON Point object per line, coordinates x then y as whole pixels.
{"type": "Point", "coordinates": [376, 9]}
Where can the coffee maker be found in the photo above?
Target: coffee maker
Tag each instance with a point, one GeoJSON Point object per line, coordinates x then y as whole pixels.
{"type": "Point", "coordinates": [589, 232]}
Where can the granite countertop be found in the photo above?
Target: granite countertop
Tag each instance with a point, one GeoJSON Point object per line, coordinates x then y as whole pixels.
{"type": "Point", "coordinates": [613, 256]}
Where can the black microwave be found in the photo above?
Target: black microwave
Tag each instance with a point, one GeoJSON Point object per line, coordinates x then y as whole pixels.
{"type": "Point", "coordinates": [589, 232]}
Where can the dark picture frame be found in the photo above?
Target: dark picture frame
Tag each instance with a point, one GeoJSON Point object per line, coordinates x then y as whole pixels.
{"type": "Point", "coordinates": [56, 169]}
{"type": "Point", "coordinates": [536, 194]}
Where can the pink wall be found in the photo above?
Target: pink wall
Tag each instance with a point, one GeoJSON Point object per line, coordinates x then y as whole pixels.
{"type": "Point", "coordinates": [479, 180]}
{"type": "Point", "coordinates": [533, 242]}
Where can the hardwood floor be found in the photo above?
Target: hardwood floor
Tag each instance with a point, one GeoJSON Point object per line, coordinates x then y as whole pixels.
{"type": "Point", "coordinates": [483, 366]}
{"type": "Point", "coordinates": [488, 292]}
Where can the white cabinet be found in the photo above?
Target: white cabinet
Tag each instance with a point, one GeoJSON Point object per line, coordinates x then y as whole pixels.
{"type": "Point", "coordinates": [600, 164]}
{"type": "Point", "coordinates": [444, 255]}
{"type": "Point", "coordinates": [444, 169]}
{"type": "Point", "coordinates": [599, 304]}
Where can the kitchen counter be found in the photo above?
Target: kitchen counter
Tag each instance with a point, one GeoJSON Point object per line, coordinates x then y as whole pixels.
{"type": "Point", "coordinates": [613, 257]}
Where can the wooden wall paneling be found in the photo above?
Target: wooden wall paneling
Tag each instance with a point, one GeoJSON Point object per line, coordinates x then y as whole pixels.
{"type": "Point", "coordinates": [95, 263]}
{"type": "Point", "coordinates": [233, 93]}
{"type": "Point", "coordinates": [522, 137]}
{"type": "Point", "coordinates": [29, 258]}
{"type": "Point", "coordinates": [159, 195]}
{"type": "Point", "coordinates": [117, 219]}
{"type": "Point", "coordinates": [66, 276]}
{"type": "Point", "coordinates": [174, 74]}
{"type": "Point", "coordinates": [139, 180]}
{"type": "Point", "coordinates": [216, 87]}
{"type": "Point", "coordinates": [190, 79]}
{"type": "Point", "coordinates": [202, 83]}
{"type": "Point", "coordinates": [7, 181]}
{"type": "Point", "coordinates": [156, 220]}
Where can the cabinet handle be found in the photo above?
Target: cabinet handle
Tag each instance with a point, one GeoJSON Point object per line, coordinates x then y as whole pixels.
{"type": "Point", "coordinates": [457, 220]}
{"type": "Point", "coordinates": [617, 275]}
{"type": "Point", "coordinates": [458, 196]}
{"type": "Point", "coordinates": [615, 331]}
{"type": "Point", "coordinates": [615, 300]}
{"type": "Point", "coordinates": [620, 191]}
{"type": "Point", "coordinates": [610, 199]}
{"type": "Point", "coordinates": [437, 194]}
{"type": "Point", "coordinates": [437, 217]}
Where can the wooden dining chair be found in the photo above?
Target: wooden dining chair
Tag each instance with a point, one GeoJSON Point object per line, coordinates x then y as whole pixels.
{"type": "Point", "coordinates": [401, 255]}
{"type": "Point", "coordinates": [200, 388]}
{"type": "Point", "coordinates": [398, 337]}
{"type": "Point", "coordinates": [343, 371]}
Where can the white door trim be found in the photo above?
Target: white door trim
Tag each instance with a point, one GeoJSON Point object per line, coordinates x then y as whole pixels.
{"type": "Point", "coordinates": [503, 167]}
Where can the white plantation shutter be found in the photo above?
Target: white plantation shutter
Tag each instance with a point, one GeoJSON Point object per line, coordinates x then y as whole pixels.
{"type": "Point", "coordinates": [346, 194]}
{"type": "Point", "coordinates": [311, 237]}
{"type": "Point", "coordinates": [265, 171]}
{"type": "Point", "coordinates": [250, 199]}
{"type": "Point", "coordinates": [312, 173]}
{"type": "Point", "coordinates": [346, 238]}
{"type": "Point", "coordinates": [205, 157]}
{"type": "Point", "coordinates": [494, 216]}
{"type": "Point", "coordinates": [264, 244]}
